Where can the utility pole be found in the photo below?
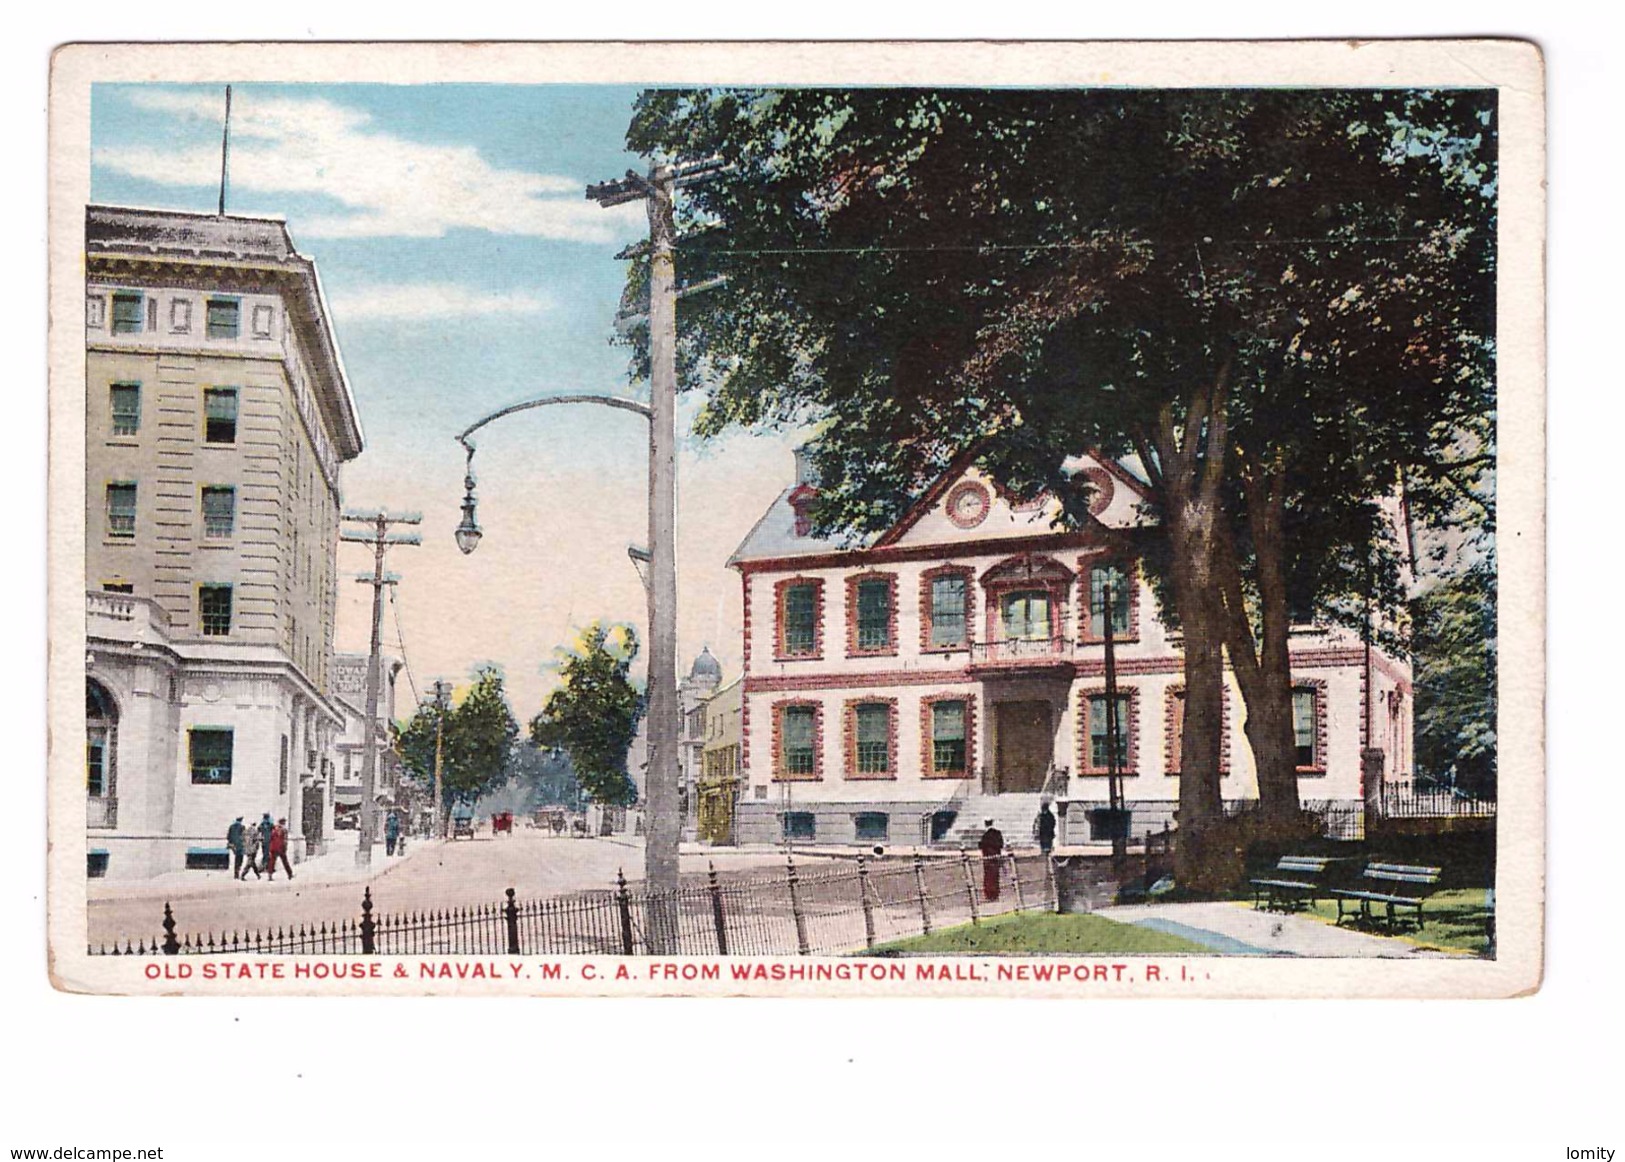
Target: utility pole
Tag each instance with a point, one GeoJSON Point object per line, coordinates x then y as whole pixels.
{"type": "Point", "coordinates": [377, 524]}
{"type": "Point", "coordinates": [1114, 760]}
{"type": "Point", "coordinates": [441, 690]}
{"type": "Point", "coordinates": [657, 191]}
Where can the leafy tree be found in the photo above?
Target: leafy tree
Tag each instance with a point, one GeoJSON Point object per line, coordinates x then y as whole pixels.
{"type": "Point", "coordinates": [478, 740]}
{"type": "Point", "coordinates": [593, 716]}
{"type": "Point", "coordinates": [546, 775]}
{"type": "Point", "coordinates": [1275, 301]}
{"type": "Point", "coordinates": [1455, 680]}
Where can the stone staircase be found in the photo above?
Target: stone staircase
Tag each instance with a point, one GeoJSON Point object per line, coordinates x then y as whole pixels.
{"type": "Point", "coordinates": [1013, 814]}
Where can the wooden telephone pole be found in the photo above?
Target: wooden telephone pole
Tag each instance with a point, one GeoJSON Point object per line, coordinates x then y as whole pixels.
{"type": "Point", "coordinates": [664, 826]}
{"type": "Point", "coordinates": [377, 525]}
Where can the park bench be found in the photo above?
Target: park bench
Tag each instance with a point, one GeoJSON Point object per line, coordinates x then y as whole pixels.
{"type": "Point", "coordinates": [1394, 885]}
{"type": "Point", "coordinates": [1294, 881]}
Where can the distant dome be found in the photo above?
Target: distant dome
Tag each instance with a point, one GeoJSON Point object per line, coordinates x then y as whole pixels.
{"type": "Point", "coordinates": [706, 668]}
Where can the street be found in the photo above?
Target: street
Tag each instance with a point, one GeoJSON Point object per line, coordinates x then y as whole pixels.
{"type": "Point", "coordinates": [450, 874]}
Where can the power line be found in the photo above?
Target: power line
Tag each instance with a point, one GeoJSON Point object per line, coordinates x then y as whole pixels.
{"type": "Point", "coordinates": [400, 640]}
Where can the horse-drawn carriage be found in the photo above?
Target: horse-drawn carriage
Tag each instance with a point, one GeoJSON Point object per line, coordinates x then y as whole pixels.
{"type": "Point", "coordinates": [462, 826]}
{"type": "Point", "coordinates": [502, 823]}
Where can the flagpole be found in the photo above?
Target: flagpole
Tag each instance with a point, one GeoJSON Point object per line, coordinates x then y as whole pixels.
{"type": "Point", "coordinates": [225, 147]}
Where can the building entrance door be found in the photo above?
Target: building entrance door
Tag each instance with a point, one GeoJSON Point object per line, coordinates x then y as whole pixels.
{"type": "Point", "coordinates": [310, 817]}
{"type": "Point", "coordinates": [1023, 745]}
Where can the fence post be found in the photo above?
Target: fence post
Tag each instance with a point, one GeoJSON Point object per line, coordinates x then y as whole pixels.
{"type": "Point", "coordinates": [1015, 878]}
{"type": "Point", "coordinates": [510, 913]}
{"type": "Point", "coordinates": [718, 917]}
{"type": "Point", "coordinates": [623, 900]}
{"type": "Point", "coordinates": [970, 887]}
{"type": "Point", "coordinates": [868, 908]}
{"type": "Point", "coordinates": [1051, 896]}
{"type": "Point", "coordinates": [368, 928]}
{"type": "Point", "coordinates": [919, 888]}
{"type": "Point", "coordinates": [171, 945]}
{"type": "Point", "coordinates": [795, 907]}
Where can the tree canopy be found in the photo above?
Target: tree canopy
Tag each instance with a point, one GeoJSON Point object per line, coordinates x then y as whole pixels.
{"type": "Point", "coordinates": [1277, 304]}
{"type": "Point", "coordinates": [479, 736]}
{"type": "Point", "coordinates": [593, 715]}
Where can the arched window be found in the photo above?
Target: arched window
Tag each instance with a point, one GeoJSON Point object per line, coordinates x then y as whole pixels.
{"type": "Point", "coordinates": [101, 756]}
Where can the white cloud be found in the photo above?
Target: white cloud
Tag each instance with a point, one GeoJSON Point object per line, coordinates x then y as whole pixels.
{"type": "Point", "coordinates": [431, 300]}
{"type": "Point", "coordinates": [390, 186]}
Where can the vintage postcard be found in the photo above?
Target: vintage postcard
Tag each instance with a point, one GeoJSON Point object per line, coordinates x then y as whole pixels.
{"type": "Point", "coordinates": [1052, 520]}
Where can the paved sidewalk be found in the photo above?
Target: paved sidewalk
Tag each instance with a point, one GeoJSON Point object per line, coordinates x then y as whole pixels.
{"type": "Point", "coordinates": [1235, 929]}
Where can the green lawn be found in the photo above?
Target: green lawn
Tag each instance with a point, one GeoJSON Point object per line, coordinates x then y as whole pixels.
{"type": "Point", "coordinates": [1078, 935]}
{"type": "Point", "coordinates": [1455, 921]}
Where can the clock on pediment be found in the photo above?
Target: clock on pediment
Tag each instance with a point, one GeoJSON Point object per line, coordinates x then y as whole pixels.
{"type": "Point", "coordinates": [968, 504]}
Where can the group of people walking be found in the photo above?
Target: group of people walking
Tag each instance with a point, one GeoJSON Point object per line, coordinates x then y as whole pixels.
{"type": "Point", "coordinates": [249, 843]}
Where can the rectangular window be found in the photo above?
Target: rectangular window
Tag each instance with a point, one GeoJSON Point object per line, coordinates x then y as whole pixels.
{"type": "Point", "coordinates": [214, 609]}
{"type": "Point", "coordinates": [121, 509]}
{"type": "Point", "coordinates": [1098, 736]}
{"type": "Point", "coordinates": [796, 740]}
{"type": "Point", "coordinates": [222, 318]}
{"type": "Point", "coordinates": [126, 401]}
{"type": "Point", "coordinates": [1025, 616]}
{"type": "Point", "coordinates": [128, 313]}
{"type": "Point", "coordinates": [152, 314]}
{"type": "Point", "coordinates": [1100, 578]}
{"type": "Point", "coordinates": [947, 737]}
{"type": "Point", "coordinates": [210, 754]}
{"type": "Point", "coordinates": [871, 826]}
{"type": "Point", "coordinates": [800, 619]}
{"type": "Point", "coordinates": [219, 511]}
{"type": "Point", "coordinates": [117, 587]}
{"type": "Point", "coordinates": [948, 611]}
{"type": "Point", "coordinates": [1303, 726]}
{"type": "Point", "coordinates": [220, 415]}
{"type": "Point", "coordinates": [874, 615]}
{"type": "Point", "coordinates": [96, 761]}
{"type": "Point", "coordinates": [873, 738]}
{"type": "Point", "coordinates": [799, 825]}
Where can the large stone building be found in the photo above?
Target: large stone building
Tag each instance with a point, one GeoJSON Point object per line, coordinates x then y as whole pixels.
{"type": "Point", "coordinates": [217, 417]}
{"type": "Point", "coordinates": [952, 669]}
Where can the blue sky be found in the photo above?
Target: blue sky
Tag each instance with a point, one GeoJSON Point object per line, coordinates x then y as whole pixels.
{"type": "Point", "coordinates": [466, 270]}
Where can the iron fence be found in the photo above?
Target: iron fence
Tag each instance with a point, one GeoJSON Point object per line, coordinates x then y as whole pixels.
{"type": "Point", "coordinates": [827, 909]}
{"type": "Point", "coordinates": [1406, 799]}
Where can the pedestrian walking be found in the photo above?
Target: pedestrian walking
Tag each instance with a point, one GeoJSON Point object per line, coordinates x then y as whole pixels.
{"type": "Point", "coordinates": [392, 832]}
{"type": "Point", "coordinates": [1045, 827]}
{"type": "Point", "coordinates": [236, 835]}
{"type": "Point", "coordinates": [265, 829]}
{"type": "Point", "coordinates": [278, 849]}
{"type": "Point", "coordinates": [251, 852]}
{"type": "Point", "coordinates": [991, 847]}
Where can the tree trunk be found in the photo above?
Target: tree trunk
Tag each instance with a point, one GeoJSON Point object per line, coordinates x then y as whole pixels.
{"type": "Point", "coordinates": [1190, 458]}
{"type": "Point", "coordinates": [1201, 805]}
{"type": "Point", "coordinates": [1263, 666]}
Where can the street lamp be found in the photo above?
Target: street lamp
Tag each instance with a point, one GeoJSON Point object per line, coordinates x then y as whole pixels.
{"type": "Point", "coordinates": [468, 532]}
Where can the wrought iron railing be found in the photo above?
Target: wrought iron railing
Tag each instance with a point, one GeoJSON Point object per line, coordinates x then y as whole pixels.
{"type": "Point", "coordinates": [834, 908]}
{"type": "Point", "coordinates": [1012, 650]}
